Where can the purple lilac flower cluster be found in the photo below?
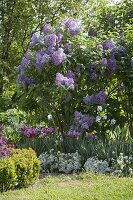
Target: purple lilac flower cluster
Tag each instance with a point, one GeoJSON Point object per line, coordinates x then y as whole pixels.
{"type": "Point", "coordinates": [99, 98]}
{"type": "Point", "coordinates": [29, 132]}
{"type": "Point", "coordinates": [47, 28]}
{"type": "Point", "coordinates": [23, 79]}
{"type": "Point", "coordinates": [35, 39]}
{"type": "Point", "coordinates": [41, 58]}
{"type": "Point", "coordinates": [70, 74]}
{"type": "Point", "coordinates": [48, 131]}
{"type": "Point", "coordinates": [52, 49]}
{"type": "Point", "coordinates": [83, 121]}
{"type": "Point", "coordinates": [72, 26]}
{"type": "Point", "coordinates": [58, 57]}
{"type": "Point", "coordinates": [63, 80]}
{"type": "Point", "coordinates": [112, 64]}
{"type": "Point", "coordinates": [108, 44]}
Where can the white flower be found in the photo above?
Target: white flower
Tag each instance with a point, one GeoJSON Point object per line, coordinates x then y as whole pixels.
{"type": "Point", "coordinates": [49, 117]}
{"type": "Point", "coordinates": [113, 121]}
{"type": "Point", "coordinates": [105, 117]}
{"type": "Point", "coordinates": [98, 118]}
{"type": "Point", "coordinates": [99, 108]}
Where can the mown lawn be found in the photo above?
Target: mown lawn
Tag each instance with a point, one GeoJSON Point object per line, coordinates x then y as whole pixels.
{"type": "Point", "coordinates": [75, 187]}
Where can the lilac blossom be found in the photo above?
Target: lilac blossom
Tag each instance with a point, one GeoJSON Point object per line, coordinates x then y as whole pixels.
{"type": "Point", "coordinates": [72, 25]}
{"type": "Point", "coordinates": [22, 79]}
{"type": "Point", "coordinates": [119, 51]}
{"type": "Point", "coordinates": [50, 50]}
{"type": "Point", "coordinates": [99, 98]}
{"type": "Point", "coordinates": [69, 82]}
{"type": "Point", "coordinates": [93, 76]}
{"type": "Point", "coordinates": [83, 121]}
{"type": "Point", "coordinates": [73, 133]}
{"type": "Point", "coordinates": [35, 39]}
{"type": "Point", "coordinates": [62, 80]}
{"type": "Point", "coordinates": [41, 58]}
{"type": "Point", "coordinates": [59, 38]}
{"type": "Point", "coordinates": [103, 61]}
{"type": "Point", "coordinates": [108, 44]}
{"type": "Point", "coordinates": [47, 28]}
{"type": "Point", "coordinates": [70, 74]}
{"type": "Point", "coordinates": [59, 79]}
{"type": "Point", "coordinates": [112, 64]}
{"type": "Point", "coordinates": [58, 56]}
{"type": "Point", "coordinates": [89, 99]}
{"type": "Point", "coordinates": [51, 39]}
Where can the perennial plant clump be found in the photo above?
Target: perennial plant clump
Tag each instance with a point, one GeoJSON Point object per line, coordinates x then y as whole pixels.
{"type": "Point", "coordinates": [60, 162]}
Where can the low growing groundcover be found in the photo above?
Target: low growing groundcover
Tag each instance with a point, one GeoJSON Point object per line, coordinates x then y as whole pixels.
{"type": "Point", "coordinates": [75, 187]}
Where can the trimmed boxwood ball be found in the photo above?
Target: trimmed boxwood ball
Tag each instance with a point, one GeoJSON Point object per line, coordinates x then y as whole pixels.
{"type": "Point", "coordinates": [20, 170]}
{"type": "Point", "coordinates": [8, 177]}
{"type": "Point", "coordinates": [27, 166]}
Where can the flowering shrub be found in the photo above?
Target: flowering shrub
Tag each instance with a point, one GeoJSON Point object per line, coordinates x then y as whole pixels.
{"type": "Point", "coordinates": [60, 162]}
{"type": "Point", "coordinates": [68, 74]}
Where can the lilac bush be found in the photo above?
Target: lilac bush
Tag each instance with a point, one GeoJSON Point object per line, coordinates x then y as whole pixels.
{"type": "Point", "coordinates": [68, 75]}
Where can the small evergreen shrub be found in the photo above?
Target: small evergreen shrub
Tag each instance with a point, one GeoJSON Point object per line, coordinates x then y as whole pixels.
{"type": "Point", "coordinates": [8, 177]}
{"type": "Point", "coordinates": [19, 170]}
{"type": "Point", "coordinates": [27, 166]}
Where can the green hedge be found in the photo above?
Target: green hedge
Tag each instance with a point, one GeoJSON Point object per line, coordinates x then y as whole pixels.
{"type": "Point", "coordinates": [20, 170]}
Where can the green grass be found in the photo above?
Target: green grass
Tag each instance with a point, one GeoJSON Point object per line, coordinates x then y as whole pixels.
{"type": "Point", "coordinates": [75, 187]}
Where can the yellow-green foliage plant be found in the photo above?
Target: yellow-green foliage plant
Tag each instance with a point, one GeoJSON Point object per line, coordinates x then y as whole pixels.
{"type": "Point", "coordinates": [19, 170]}
{"type": "Point", "coordinates": [27, 166]}
{"type": "Point", "coordinates": [8, 177]}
